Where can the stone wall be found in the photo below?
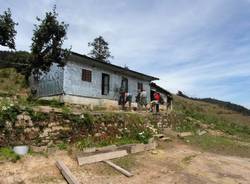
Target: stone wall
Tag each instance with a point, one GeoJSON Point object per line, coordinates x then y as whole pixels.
{"type": "Point", "coordinates": [55, 128]}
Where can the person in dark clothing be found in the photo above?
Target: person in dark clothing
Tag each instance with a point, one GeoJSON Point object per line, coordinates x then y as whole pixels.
{"type": "Point", "coordinates": [122, 98]}
{"type": "Point", "coordinates": [128, 98]}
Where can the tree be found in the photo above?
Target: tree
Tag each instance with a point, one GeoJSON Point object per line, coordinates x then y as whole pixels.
{"type": "Point", "coordinates": [100, 50]}
{"type": "Point", "coordinates": [48, 38]}
{"type": "Point", "coordinates": [7, 30]}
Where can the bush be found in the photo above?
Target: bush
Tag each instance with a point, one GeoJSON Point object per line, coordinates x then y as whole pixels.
{"type": "Point", "coordinates": [8, 112]}
{"type": "Point", "coordinates": [8, 154]}
{"type": "Point", "coordinates": [62, 146]}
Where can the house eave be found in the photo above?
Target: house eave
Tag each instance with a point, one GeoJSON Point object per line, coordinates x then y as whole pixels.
{"type": "Point", "coordinates": [115, 68]}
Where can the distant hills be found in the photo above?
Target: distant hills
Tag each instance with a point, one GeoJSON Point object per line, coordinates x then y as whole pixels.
{"type": "Point", "coordinates": [227, 105]}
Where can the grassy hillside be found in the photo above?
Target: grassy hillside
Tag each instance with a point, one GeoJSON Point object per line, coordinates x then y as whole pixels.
{"type": "Point", "coordinates": [11, 83]}
{"type": "Point", "coordinates": [222, 104]}
{"type": "Point", "coordinates": [228, 130]}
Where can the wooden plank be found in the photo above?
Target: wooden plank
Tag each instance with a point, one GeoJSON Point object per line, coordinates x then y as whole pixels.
{"type": "Point", "coordinates": [66, 173]}
{"type": "Point", "coordinates": [150, 146]}
{"type": "Point", "coordinates": [107, 148]}
{"type": "Point", "coordinates": [136, 148]}
{"type": "Point", "coordinates": [123, 171]}
{"type": "Point", "coordinates": [98, 157]}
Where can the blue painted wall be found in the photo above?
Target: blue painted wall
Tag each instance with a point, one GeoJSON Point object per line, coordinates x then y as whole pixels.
{"type": "Point", "coordinates": [68, 80]}
{"type": "Point", "coordinates": [49, 84]}
{"type": "Point", "coordinates": [73, 84]}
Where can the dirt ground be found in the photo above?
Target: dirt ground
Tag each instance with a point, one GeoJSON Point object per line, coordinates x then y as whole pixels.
{"type": "Point", "coordinates": [174, 163]}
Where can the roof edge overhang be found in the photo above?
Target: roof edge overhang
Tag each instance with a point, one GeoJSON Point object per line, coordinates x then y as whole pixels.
{"type": "Point", "coordinates": [116, 68]}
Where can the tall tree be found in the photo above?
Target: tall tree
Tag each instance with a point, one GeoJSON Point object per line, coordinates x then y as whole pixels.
{"type": "Point", "coordinates": [100, 50]}
{"type": "Point", "coordinates": [48, 38]}
{"type": "Point", "coordinates": [7, 30]}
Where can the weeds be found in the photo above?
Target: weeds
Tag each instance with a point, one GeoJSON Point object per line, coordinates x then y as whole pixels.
{"type": "Point", "coordinates": [62, 146]}
{"type": "Point", "coordinates": [8, 154]}
{"type": "Point", "coordinates": [222, 145]}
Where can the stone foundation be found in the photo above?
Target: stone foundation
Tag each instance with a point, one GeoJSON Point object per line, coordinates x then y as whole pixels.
{"type": "Point", "coordinates": [56, 128]}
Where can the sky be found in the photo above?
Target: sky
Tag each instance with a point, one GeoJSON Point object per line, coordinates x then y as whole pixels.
{"type": "Point", "coordinates": [199, 47]}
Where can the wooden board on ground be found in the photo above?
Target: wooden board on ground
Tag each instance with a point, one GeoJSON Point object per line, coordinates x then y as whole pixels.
{"type": "Point", "coordinates": [123, 171]}
{"type": "Point", "coordinates": [107, 148]}
{"type": "Point", "coordinates": [66, 173]}
{"type": "Point", "coordinates": [136, 148]}
{"type": "Point", "coordinates": [100, 156]}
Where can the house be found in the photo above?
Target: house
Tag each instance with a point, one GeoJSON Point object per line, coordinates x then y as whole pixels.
{"type": "Point", "coordinates": [84, 80]}
{"type": "Point", "coordinates": [166, 95]}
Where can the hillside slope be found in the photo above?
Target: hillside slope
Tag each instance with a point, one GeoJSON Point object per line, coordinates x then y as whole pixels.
{"type": "Point", "coordinates": [12, 83]}
{"type": "Point", "coordinates": [228, 105]}
{"type": "Point", "coordinates": [227, 131]}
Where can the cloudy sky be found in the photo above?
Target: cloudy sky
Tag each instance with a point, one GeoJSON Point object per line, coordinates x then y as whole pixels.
{"type": "Point", "coordinates": [199, 47]}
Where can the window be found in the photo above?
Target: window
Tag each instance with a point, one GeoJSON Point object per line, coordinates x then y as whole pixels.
{"type": "Point", "coordinates": [140, 86]}
{"type": "Point", "coordinates": [86, 75]}
{"type": "Point", "coordinates": [124, 84]}
{"type": "Point", "coordinates": [105, 84]}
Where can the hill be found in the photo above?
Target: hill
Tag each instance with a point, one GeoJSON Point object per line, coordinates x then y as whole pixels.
{"type": "Point", "coordinates": [12, 83]}
{"type": "Point", "coordinates": [226, 131]}
{"type": "Point", "coordinates": [223, 104]}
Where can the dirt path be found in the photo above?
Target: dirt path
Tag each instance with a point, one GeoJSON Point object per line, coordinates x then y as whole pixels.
{"type": "Point", "coordinates": [171, 163]}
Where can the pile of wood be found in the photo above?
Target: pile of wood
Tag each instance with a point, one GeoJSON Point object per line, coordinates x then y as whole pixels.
{"type": "Point", "coordinates": [104, 154]}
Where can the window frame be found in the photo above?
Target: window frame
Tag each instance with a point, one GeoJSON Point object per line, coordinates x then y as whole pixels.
{"type": "Point", "coordinates": [125, 80]}
{"type": "Point", "coordinates": [140, 86]}
{"type": "Point", "coordinates": [86, 75]}
{"type": "Point", "coordinates": [105, 85]}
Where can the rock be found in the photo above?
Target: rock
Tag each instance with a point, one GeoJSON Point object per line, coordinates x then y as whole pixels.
{"type": "Point", "coordinates": [201, 132]}
{"type": "Point", "coordinates": [204, 126]}
{"type": "Point", "coordinates": [8, 125]}
{"type": "Point", "coordinates": [159, 135]}
{"type": "Point", "coordinates": [26, 117]}
{"type": "Point", "coordinates": [169, 132]}
{"type": "Point", "coordinates": [150, 146]}
{"type": "Point", "coordinates": [39, 148]}
{"type": "Point", "coordinates": [184, 134]}
{"type": "Point", "coordinates": [166, 139]}
{"type": "Point", "coordinates": [154, 152]}
{"type": "Point", "coordinates": [151, 140]}
{"type": "Point", "coordinates": [97, 135]}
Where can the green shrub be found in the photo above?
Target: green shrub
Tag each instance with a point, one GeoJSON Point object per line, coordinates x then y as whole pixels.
{"type": "Point", "coordinates": [62, 146]}
{"type": "Point", "coordinates": [85, 143]}
{"type": "Point", "coordinates": [52, 103]}
{"type": "Point", "coordinates": [8, 112]}
{"type": "Point", "coordinates": [8, 154]}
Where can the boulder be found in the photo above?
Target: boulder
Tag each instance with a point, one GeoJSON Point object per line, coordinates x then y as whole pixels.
{"type": "Point", "coordinates": [184, 134]}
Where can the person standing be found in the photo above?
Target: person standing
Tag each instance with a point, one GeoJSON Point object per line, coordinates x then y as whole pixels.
{"type": "Point", "coordinates": [128, 98]}
{"type": "Point", "coordinates": [157, 98]}
{"type": "Point", "coordinates": [138, 99]}
{"type": "Point", "coordinates": [122, 98]}
{"type": "Point", "coordinates": [143, 98]}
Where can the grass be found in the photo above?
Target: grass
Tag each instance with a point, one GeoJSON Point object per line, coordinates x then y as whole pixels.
{"type": "Point", "coordinates": [89, 142]}
{"type": "Point", "coordinates": [11, 82]}
{"type": "Point", "coordinates": [62, 146]}
{"type": "Point", "coordinates": [220, 145]}
{"type": "Point", "coordinates": [128, 162]}
{"type": "Point", "coordinates": [227, 121]}
{"type": "Point", "coordinates": [8, 154]}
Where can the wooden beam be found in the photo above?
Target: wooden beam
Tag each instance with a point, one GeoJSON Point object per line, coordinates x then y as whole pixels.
{"type": "Point", "coordinates": [100, 156]}
{"type": "Point", "coordinates": [66, 173]}
{"type": "Point", "coordinates": [123, 171]}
